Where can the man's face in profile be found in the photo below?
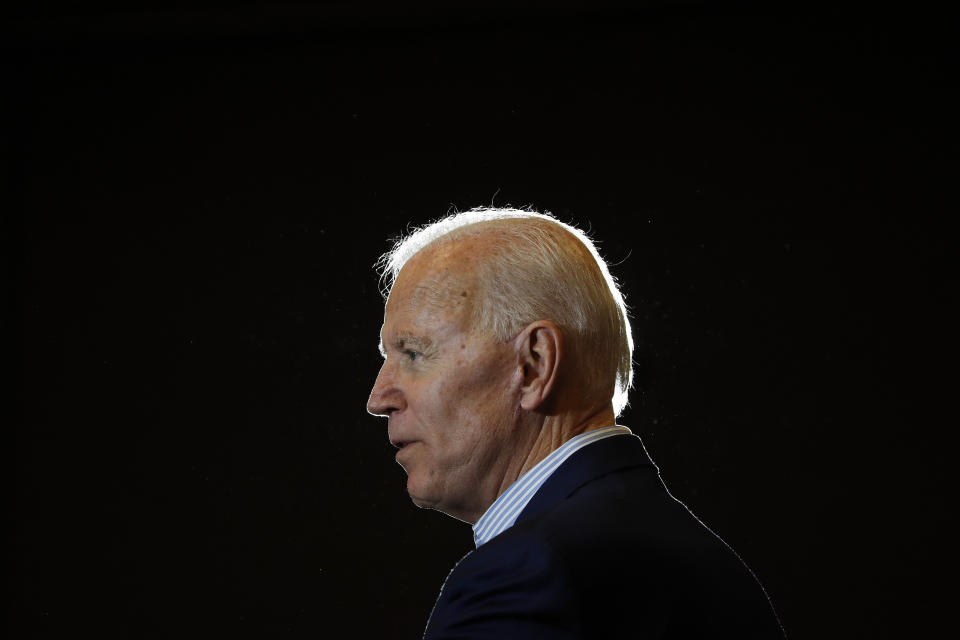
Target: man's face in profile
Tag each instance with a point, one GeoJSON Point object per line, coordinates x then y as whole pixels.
{"type": "Point", "coordinates": [449, 392]}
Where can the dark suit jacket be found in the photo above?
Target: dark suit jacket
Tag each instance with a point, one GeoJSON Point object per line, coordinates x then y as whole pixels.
{"type": "Point", "coordinates": [603, 551]}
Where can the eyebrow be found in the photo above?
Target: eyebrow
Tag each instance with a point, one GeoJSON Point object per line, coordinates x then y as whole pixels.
{"type": "Point", "coordinates": [404, 339]}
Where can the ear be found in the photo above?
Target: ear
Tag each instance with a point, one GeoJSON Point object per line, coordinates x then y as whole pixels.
{"type": "Point", "coordinates": [541, 349]}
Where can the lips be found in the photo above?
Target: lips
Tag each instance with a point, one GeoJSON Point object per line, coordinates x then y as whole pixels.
{"type": "Point", "coordinates": [400, 444]}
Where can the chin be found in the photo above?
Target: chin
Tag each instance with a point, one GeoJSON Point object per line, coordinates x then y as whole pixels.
{"type": "Point", "coordinates": [417, 496]}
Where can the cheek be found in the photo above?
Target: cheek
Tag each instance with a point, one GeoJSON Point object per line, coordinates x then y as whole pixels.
{"type": "Point", "coordinates": [482, 398]}
{"type": "Point", "coordinates": [467, 404]}
{"type": "Point", "coordinates": [470, 385]}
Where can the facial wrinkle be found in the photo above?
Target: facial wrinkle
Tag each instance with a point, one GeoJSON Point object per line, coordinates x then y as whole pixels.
{"type": "Point", "coordinates": [441, 293]}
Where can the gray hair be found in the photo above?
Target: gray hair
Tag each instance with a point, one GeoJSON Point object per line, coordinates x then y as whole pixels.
{"type": "Point", "coordinates": [539, 269]}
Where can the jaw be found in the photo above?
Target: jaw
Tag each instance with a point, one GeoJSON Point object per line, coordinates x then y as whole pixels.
{"type": "Point", "coordinates": [431, 497]}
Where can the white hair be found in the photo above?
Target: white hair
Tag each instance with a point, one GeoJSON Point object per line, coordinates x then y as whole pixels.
{"type": "Point", "coordinates": [539, 268]}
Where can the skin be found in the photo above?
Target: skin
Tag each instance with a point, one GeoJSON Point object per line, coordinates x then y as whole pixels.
{"type": "Point", "coordinates": [470, 413]}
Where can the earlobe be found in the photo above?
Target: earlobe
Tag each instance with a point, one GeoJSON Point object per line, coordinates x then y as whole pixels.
{"type": "Point", "coordinates": [541, 349]}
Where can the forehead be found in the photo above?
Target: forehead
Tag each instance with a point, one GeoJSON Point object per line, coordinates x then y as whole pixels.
{"type": "Point", "coordinates": [433, 286]}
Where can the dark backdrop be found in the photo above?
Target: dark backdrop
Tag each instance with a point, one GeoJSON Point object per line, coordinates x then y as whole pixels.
{"type": "Point", "coordinates": [198, 197]}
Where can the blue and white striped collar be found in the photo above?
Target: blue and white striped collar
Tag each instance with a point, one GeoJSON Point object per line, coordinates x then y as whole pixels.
{"type": "Point", "coordinates": [504, 511]}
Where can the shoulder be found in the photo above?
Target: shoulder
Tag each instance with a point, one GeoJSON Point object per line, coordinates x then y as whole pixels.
{"type": "Point", "coordinates": [624, 512]}
{"type": "Point", "coordinates": [633, 556]}
{"type": "Point", "coordinates": [618, 557]}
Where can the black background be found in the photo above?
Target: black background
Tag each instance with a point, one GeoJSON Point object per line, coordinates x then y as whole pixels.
{"type": "Point", "coordinates": [198, 196]}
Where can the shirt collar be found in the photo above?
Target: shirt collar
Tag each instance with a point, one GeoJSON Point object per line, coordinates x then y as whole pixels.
{"type": "Point", "coordinates": [504, 511]}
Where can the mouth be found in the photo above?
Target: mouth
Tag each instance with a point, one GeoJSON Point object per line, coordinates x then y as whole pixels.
{"type": "Point", "coordinates": [400, 444]}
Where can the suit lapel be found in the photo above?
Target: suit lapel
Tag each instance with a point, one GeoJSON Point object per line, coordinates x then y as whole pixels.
{"type": "Point", "coordinates": [593, 461]}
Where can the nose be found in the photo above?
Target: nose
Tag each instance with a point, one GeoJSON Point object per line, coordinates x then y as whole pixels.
{"type": "Point", "coordinates": [385, 397]}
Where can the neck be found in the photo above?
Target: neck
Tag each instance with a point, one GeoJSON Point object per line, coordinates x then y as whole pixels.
{"type": "Point", "coordinates": [552, 432]}
{"type": "Point", "coordinates": [536, 437]}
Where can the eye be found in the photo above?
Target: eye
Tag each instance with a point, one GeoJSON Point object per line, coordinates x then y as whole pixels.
{"type": "Point", "coordinates": [411, 354]}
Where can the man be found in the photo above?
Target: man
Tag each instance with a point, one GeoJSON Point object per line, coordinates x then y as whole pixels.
{"type": "Point", "coordinates": [507, 359]}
